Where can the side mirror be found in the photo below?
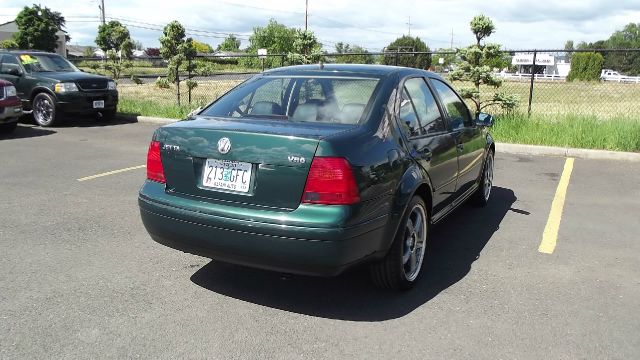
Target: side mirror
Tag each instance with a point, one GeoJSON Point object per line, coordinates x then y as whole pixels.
{"type": "Point", "coordinates": [15, 72]}
{"type": "Point", "coordinates": [483, 119]}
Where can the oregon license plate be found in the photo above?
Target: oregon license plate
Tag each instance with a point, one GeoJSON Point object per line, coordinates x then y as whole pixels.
{"type": "Point", "coordinates": [98, 104]}
{"type": "Point", "coordinates": [227, 175]}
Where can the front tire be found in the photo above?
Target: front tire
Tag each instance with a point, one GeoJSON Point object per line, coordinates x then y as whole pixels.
{"type": "Point", "coordinates": [401, 267]}
{"type": "Point", "coordinates": [482, 195]}
{"type": "Point", "coordinates": [44, 110]}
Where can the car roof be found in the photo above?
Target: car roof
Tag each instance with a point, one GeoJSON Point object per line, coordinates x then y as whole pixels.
{"type": "Point", "coordinates": [34, 52]}
{"type": "Point", "coordinates": [348, 69]}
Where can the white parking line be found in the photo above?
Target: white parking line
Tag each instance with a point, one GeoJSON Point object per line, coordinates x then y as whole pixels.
{"type": "Point", "coordinates": [112, 172]}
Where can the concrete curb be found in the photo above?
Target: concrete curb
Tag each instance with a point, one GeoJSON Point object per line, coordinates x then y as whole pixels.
{"type": "Point", "coordinates": [500, 147]}
{"type": "Point", "coordinates": [567, 152]}
{"type": "Point", "coordinates": [147, 119]}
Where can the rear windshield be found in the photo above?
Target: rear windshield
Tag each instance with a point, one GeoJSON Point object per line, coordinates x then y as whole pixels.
{"type": "Point", "coordinates": [304, 99]}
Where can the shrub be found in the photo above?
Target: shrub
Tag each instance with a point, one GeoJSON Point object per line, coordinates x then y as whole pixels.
{"type": "Point", "coordinates": [162, 83]}
{"type": "Point", "coordinates": [586, 67]}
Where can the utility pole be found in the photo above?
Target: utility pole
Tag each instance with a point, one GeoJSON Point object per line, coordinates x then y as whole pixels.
{"type": "Point", "coordinates": [101, 7]}
{"type": "Point", "coordinates": [306, 14]}
{"type": "Point", "coordinates": [409, 23]}
{"type": "Point", "coordinates": [451, 40]}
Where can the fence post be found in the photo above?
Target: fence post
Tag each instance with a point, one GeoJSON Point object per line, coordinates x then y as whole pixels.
{"type": "Point", "coordinates": [397, 55]}
{"type": "Point", "coordinates": [533, 76]}
{"type": "Point", "coordinates": [189, 69]}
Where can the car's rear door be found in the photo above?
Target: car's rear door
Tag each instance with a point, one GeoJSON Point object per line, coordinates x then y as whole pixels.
{"type": "Point", "coordinates": [470, 143]}
{"type": "Point", "coordinates": [430, 143]}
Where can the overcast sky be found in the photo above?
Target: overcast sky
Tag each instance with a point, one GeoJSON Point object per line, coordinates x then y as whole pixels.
{"type": "Point", "coordinates": [520, 24]}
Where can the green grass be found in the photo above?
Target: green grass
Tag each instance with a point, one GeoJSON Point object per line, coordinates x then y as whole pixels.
{"type": "Point", "coordinates": [128, 106]}
{"type": "Point", "coordinates": [576, 131]}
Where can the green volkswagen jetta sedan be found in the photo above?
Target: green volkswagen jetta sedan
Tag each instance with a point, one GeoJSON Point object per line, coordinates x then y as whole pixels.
{"type": "Point", "coordinates": [314, 169]}
{"type": "Point", "coordinates": [50, 87]}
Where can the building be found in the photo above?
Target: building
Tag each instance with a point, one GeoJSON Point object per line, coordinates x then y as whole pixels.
{"type": "Point", "coordinates": [8, 29]}
{"type": "Point", "coordinates": [546, 64]}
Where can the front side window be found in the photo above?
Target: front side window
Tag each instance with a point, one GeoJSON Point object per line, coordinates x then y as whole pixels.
{"type": "Point", "coordinates": [300, 99]}
{"type": "Point", "coordinates": [46, 63]}
{"type": "Point", "coordinates": [458, 112]}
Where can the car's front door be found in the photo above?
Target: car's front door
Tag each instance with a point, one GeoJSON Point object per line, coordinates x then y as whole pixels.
{"type": "Point", "coordinates": [469, 139]}
{"type": "Point", "coordinates": [430, 143]}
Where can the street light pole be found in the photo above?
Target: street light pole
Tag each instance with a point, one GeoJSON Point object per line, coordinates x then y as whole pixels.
{"type": "Point", "coordinates": [306, 14]}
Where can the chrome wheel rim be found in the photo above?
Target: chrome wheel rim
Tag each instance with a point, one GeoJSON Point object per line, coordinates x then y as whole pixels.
{"type": "Point", "coordinates": [414, 242]}
{"type": "Point", "coordinates": [488, 177]}
{"type": "Point", "coordinates": [43, 111]}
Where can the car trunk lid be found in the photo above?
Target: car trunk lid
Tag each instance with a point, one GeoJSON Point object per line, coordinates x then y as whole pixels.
{"type": "Point", "coordinates": [247, 162]}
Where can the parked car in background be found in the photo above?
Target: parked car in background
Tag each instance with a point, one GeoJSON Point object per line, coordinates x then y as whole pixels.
{"type": "Point", "coordinates": [314, 169]}
{"type": "Point", "coordinates": [50, 87]}
{"type": "Point", "coordinates": [10, 107]}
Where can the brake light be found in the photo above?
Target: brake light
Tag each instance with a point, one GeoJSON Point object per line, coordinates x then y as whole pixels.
{"type": "Point", "coordinates": [155, 171]}
{"type": "Point", "coordinates": [330, 182]}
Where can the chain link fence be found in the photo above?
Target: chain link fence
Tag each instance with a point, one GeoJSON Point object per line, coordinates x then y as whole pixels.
{"type": "Point", "coordinates": [538, 78]}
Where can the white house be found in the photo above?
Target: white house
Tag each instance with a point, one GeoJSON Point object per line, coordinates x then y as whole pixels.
{"type": "Point", "coordinates": [8, 29]}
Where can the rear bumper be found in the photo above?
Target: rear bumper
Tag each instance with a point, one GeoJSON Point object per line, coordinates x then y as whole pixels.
{"type": "Point", "coordinates": [307, 250]}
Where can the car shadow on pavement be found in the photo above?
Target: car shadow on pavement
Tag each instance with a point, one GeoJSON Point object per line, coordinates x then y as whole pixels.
{"type": "Point", "coordinates": [26, 131]}
{"type": "Point", "coordinates": [81, 122]}
{"type": "Point", "coordinates": [455, 245]}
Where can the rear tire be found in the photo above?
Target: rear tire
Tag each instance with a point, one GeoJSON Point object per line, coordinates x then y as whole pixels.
{"type": "Point", "coordinates": [44, 110]}
{"type": "Point", "coordinates": [402, 266]}
{"type": "Point", "coordinates": [482, 195]}
{"type": "Point", "coordinates": [8, 128]}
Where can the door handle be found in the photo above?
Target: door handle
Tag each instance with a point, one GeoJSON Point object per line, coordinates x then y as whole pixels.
{"type": "Point", "coordinates": [460, 147]}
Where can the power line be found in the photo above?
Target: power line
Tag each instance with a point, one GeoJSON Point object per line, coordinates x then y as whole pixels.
{"type": "Point", "coordinates": [160, 27]}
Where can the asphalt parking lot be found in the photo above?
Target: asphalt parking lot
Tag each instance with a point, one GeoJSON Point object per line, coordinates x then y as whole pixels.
{"type": "Point", "coordinates": [80, 278]}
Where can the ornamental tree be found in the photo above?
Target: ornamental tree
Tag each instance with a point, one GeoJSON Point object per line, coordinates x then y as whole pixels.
{"type": "Point", "coordinates": [178, 51]}
{"type": "Point", "coordinates": [114, 39]}
{"type": "Point", "coordinates": [306, 48]}
{"type": "Point", "coordinates": [476, 66]}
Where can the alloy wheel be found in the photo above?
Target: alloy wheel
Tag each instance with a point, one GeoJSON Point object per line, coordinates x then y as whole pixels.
{"type": "Point", "coordinates": [414, 244]}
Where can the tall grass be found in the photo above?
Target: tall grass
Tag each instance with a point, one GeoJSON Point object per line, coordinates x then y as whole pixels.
{"type": "Point", "coordinates": [128, 106]}
{"type": "Point", "coordinates": [577, 131]}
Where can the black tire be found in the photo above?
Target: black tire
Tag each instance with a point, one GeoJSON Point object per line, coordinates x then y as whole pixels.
{"type": "Point", "coordinates": [483, 194]}
{"type": "Point", "coordinates": [391, 272]}
{"type": "Point", "coordinates": [107, 115]}
{"type": "Point", "coordinates": [8, 127]}
{"type": "Point", "coordinates": [44, 109]}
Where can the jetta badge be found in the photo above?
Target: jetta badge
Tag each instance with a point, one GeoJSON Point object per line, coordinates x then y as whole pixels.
{"type": "Point", "coordinates": [224, 145]}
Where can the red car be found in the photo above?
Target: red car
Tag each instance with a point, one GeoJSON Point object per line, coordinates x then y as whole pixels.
{"type": "Point", "coordinates": [10, 107]}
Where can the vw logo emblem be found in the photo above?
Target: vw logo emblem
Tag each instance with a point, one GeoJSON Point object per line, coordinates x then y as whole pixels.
{"type": "Point", "coordinates": [224, 145]}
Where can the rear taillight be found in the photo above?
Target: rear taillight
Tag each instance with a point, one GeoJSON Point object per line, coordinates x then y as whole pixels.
{"type": "Point", "coordinates": [330, 182]}
{"type": "Point", "coordinates": [155, 171]}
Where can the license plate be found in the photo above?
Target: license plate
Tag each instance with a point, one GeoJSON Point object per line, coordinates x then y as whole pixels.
{"type": "Point", "coordinates": [227, 175]}
{"type": "Point", "coordinates": [98, 104]}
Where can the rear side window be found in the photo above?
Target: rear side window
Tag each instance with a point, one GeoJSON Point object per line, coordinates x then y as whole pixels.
{"type": "Point", "coordinates": [425, 105]}
{"type": "Point", "coordinates": [8, 63]}
{"type": "Point", "coordinates": [300, 99]}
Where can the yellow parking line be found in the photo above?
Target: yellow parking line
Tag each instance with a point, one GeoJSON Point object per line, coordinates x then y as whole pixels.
{"type": "Point", "coordinates": [550, 235]}
{"type": "Point", "coordinates": [111, 172]}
